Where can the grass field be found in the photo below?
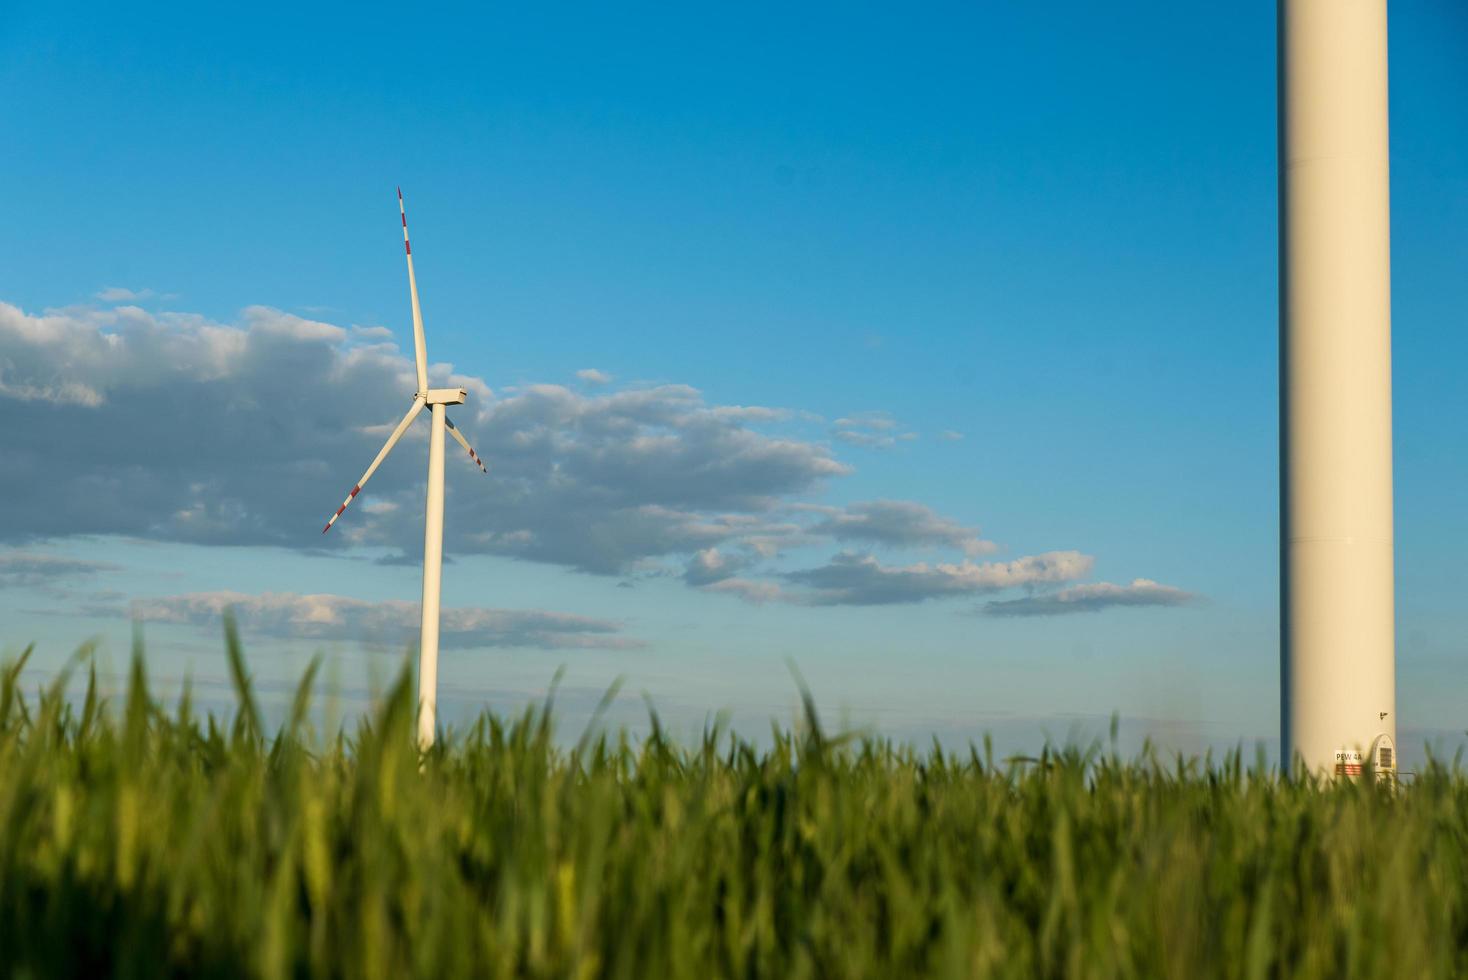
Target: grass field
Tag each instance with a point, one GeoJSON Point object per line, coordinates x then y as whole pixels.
{"type": "Point", "coordinates": [142, 841]}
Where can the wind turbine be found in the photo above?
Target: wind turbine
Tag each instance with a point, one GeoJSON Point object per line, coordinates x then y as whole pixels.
{"type": "Point", "coordinates": [437, 401]}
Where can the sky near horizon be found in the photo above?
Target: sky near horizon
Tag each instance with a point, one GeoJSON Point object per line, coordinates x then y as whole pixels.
{"type": "Point", "coordinates": [932, 351]}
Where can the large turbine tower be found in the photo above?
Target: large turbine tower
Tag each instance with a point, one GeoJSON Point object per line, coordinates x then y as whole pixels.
{"type": "Point", "coordinates": [436, 400]}
{"type": "Point", "coordinates": [1337, 670]}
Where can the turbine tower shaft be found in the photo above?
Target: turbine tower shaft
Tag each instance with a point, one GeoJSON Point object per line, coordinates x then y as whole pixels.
{"type": "Point", "coordinates": [1338, 687]}
{"type": "Point", "coordinates": [432, 582]}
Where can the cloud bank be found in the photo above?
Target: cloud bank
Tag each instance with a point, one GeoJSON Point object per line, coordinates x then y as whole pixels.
{"type": "Point", "coordinates": [172, 426]}
{"type": "Point", "coordinates": [20, 569]}
{"type": "Point", "coordinates": [334, 617]}
{"type": "Point", "coordinates": [851, 579]}
{"type": "Point", "coordinates": [901, 523]}
{"type": "Point", "coordinates": [1093, 597]}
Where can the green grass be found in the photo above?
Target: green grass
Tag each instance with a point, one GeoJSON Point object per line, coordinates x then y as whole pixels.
{"type": "Point", "coordinates": [142, 841]}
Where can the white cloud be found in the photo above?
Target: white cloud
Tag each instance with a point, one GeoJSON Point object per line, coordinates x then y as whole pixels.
{"type": "Point", "coordinates": [876, 421]}
{"type": "Point", "coordinates": [118, 294]}
{"type": "Point", "coordinates": [851, 579]}
{"type": "Point", "coordinates": [592, 376]}
{"type": "Point", "coordinates": [902, 523]}
{"type": "Point", "coordinates": [950, 435]}
{"type": "Point", "coordinates": [334, 617]}
{"type": "Point", "coordinates": [867, 440]}
{"type": "Point", "coordinates": [1092, 597]}
{"type": "Point", "coordinates": [749, 413]}
{"type": "Point", "coordinates": [870, 430]}
{"type": "Point", "coordinates": [272, 322]}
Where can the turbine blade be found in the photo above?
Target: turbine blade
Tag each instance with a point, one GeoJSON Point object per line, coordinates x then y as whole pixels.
{"type": "Point", "coordinates": [420, 353]}
{"type": "Point", "coordinates": [392, 440]}
{"type": "Point", "coordinates": [454, 431]}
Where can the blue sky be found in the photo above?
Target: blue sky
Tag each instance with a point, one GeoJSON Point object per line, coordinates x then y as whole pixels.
{"type": "Point", "coordinates": [1050, 229]}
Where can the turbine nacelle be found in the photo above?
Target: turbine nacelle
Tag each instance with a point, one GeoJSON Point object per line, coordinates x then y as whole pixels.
{"type": "Point", "coordinates": [444, 396]}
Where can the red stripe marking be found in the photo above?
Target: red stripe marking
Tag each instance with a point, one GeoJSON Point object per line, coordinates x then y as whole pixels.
{"type": "Point", "coordinates": [406, 247]}
{"type": "Point", "coordinates": [353, 493]}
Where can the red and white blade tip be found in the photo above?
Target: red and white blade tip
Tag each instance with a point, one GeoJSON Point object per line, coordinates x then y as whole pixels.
{"type": "Point", "coordinates": [355, 490]}
{"type": "Point", "coordinates": [404, 212]}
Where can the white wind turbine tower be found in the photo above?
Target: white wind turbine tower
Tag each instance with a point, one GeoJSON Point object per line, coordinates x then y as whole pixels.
{"type": "Point", "coordinates": [436, 400]}
{"type": "Point", "coordinates": [1337, 624]}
